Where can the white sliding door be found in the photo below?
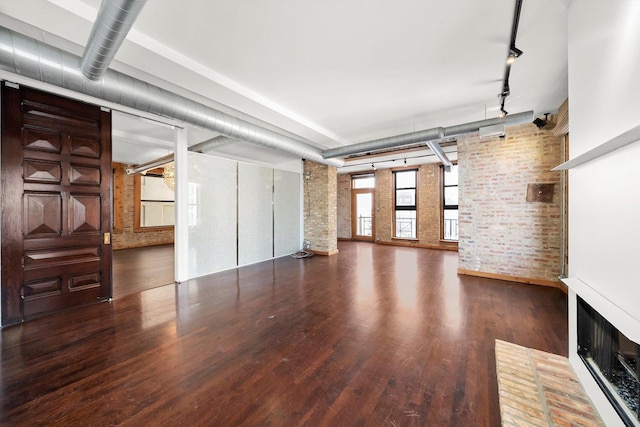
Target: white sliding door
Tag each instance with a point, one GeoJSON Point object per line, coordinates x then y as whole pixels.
{"type": "Point", "coordinates": [239, 214]}
{"type": "Point", "coordinates": [286, 210]}
{"type": "Point", "coordinates": [255, 213]}
{"type": "Point", "coordinates": [212, 198]}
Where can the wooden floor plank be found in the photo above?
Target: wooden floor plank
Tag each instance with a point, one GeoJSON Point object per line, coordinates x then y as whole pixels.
{"type": "Point", "coordinates": [139, 269]}
{"type": "Point", "coordinates": [375, 335]}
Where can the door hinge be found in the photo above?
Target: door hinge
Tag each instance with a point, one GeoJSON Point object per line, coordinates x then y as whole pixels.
{"type": "Point", "coordinates": [107, 238]}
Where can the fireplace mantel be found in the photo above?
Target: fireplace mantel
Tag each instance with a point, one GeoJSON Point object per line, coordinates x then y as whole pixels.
{"type": "Point", "coordinates": [623, 321]}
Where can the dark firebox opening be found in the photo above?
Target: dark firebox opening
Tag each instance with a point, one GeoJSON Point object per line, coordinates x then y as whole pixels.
{"type": "Point", "coordinates": [612, 359]}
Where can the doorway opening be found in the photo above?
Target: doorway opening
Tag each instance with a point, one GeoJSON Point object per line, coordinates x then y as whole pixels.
{"type": "Point", "coordinates": [363, 207]}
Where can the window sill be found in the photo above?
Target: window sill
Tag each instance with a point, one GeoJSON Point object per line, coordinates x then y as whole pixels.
{"type": "Point", "coordinates": [449, 242]}
{"type": "Point", "coordinates": [148, 229]}
{"type": "Point", "coordinates": [405, 239]}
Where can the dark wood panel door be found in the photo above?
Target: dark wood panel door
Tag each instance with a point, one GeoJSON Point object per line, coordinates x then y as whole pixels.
{"type": "Point", "coordinates": [56, 210]}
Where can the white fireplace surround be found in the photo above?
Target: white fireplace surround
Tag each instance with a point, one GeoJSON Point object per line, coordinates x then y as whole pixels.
{"type": "Point", "coordinates": [623, 321]}
{"type": "Point", "coordinates": [618, 317]}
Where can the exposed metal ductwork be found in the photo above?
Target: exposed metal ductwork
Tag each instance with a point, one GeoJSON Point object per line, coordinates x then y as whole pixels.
{"type": "Point", "coordinates": [428, 135]}
{"type": "Point", "coordinates": [109, 30]}
{"type": "Point", "coordinates": [439, 152]}
{"type": "Point", "coordinates": [30, 58]}
{"type": "Point", "coordinates": [152, 164]}
{"type": "Point", "coordinates": [212, 144]}
{"type": "Point", "coordinates": [510, 120]}
{"type": "Point", "coordinates": [201, 147]}
{"type": "Point", "coordinates": [379, 144]}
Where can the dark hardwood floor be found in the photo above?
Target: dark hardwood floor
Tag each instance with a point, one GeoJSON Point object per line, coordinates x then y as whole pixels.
{"type": "Point", "coordinates": [139, 269]}
{"type": "Point", "coordinates": [376, 335]}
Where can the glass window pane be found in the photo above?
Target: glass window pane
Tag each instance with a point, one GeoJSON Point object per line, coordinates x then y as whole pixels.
{"type": "Point", "coordinates": [450, 224]}
{"type": "Point", "coordinates": [450, 196]}
{"type": "Point", "coordinates": [364, 210]}
{"type": "Point", "coordinates": [364, 182]}
{"type": "Point", "coordinates": [451, 178]}
{"type": "Point", "coordinates": [406, 224]}
{"type": "Point", "coordinates": [154, 188]}
{"type": "Point", "coordinates": [405, 197]}
{"type": "Point", "coordinates": [406, 179]}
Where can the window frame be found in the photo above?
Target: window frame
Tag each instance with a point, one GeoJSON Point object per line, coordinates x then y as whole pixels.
{"type": "Point", "coordinates": [137, 204]}
{"type": "Point", "coordinates": [409, 208]}
{"type": "Point", "coordinates": [354, 193]}
{"type": "Point", "coordinates": [443, 206]}
{"type": "Point", "coordinates": [356, 176]}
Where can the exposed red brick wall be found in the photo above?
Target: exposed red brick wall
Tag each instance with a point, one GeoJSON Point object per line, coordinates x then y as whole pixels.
{"type": "Point", "coordinates": [128, 238]}
{"type": "Point", "coordinates": [344, 206]}
{"type": "Point", "coordinates": [428, 206]}
{"type": "Point", "coordinates": [321, 207]}
{"type": "Point", "coordinates": [384, 205]}
{"type": "Point", "coordinates": [500, 232]}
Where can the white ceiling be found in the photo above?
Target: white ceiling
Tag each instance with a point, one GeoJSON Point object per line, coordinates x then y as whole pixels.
{"type": "Point", "coordinates": [332, 72]}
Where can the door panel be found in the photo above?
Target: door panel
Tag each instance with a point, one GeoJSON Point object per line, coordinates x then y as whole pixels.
{"type": "Point", "coordinates": [56, 183]}
{"type": "Point", "coordinates": [362, 214]}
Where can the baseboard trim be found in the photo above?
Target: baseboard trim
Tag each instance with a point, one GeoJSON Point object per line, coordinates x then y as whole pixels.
{"type": "Point", "coordinates": [344, 239]}
{"type": "Point", "coordinates": [325, 253]}
{"type": "Point", "coordinates": [452, 247]}
{"type": "Point", "coordinates": [527, 280]}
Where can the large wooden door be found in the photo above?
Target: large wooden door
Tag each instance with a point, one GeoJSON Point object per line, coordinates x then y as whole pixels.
{"type": "Point", "coordinates": [56, 204]}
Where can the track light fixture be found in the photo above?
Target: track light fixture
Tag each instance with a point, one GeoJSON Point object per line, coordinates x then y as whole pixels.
{"type": "Point", "coordinates": [514, 53]}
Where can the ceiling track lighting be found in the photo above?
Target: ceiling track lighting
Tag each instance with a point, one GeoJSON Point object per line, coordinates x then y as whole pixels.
{"type": "Point", "coordinates": [514, 53]}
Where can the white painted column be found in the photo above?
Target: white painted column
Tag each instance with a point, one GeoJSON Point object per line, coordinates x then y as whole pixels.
{"type": "Point", "coordinates": [181, 229]}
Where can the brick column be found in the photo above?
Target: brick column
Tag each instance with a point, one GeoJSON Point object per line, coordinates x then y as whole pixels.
{"type": "Point", "coordinates": [344, 206]}
{"type": "Point", "coordinates": [321, 207]}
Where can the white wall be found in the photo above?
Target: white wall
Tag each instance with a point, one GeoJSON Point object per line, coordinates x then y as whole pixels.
{"type": "Point", "coordinates": [604, 101]}
{"type": "Point", "coordinates": [604, 202]}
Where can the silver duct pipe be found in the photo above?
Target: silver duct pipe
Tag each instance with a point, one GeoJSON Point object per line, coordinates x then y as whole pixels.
{"type": "Point", "coordinates": [211, 144]}
{"type": "Point", "coordinates": [379, 144]}
{"type": "Point", "coordinates": [509, 120]}
{"type": "Point", "coordinates": [161, 161]}
{"type": "Point", "coordinates": [30, 58]}
{"type": "Point", "coordinates": [437, 150]}
{"type": "Point", "coordinates": [427, 135]}
{"type": "Point", "coordinates": [111, 27]}
{"type": "Point", "coordinates": [201, 147]}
